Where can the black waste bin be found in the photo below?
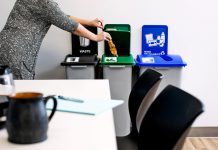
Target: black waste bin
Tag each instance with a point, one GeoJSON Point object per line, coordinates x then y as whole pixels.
{"type": "Point", "coordinates": [82, 63]}
{"type": "Point", "coordinates": [82, 67]}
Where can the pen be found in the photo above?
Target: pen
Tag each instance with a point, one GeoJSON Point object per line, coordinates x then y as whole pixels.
{"type": "Point", "coordinates": [70, 99]}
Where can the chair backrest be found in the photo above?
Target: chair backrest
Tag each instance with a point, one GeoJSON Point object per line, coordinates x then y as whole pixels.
{"type": "Point", "coordinates": [168, 117]}
{"type": "Point", "coordinates": [145, 104]}
{"type": "Point", "coordinates": [146, 84]}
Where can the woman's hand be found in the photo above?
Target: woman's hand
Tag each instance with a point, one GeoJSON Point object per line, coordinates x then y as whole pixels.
{"type": "Point", "coordinates": [97, 23]}
{"type": "Point", "coordinates": [103, 36]}
{"type": "Point", "coordinates": [82, 31]}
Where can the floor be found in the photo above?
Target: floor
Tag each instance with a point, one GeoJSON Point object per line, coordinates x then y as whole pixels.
{"type": "Point", "coordinates": [191, 143]}
{"type": "Point", "coordinates": [199, 143]}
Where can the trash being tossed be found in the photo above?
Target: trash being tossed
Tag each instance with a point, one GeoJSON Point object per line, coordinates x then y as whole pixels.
{"type": "Point", "coordinates": [112, 48]}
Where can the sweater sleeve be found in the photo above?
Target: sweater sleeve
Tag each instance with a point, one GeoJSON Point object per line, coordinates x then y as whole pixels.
{"type": "Point", "coordinates": [55, 16]}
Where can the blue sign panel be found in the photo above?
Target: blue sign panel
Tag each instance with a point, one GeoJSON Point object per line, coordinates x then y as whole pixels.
{"type": "Point", "coordinates": [154, 39]}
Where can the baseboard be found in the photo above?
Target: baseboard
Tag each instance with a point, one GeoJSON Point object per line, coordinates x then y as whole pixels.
{"type": "Point", "coordinates": [203, 132]}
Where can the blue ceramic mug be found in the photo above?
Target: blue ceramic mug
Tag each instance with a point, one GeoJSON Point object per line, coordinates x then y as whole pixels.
{"type": "Point", "coordinates": [27, 120]}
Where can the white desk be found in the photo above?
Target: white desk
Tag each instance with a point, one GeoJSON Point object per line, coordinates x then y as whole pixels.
{"type": "Point", "coordinates": [69, 131]}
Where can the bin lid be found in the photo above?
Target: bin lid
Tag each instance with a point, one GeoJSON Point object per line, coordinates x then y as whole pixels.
{"type": "Point", "coordinates": [117, 27]}
{"type": "Point", "coordinates": [121, 37]}
{"type": "Point", "coordinates": [71, 60]}
{"type": "Point", "coordinates": [120, 60]}
{"type": "Point", "coordinates": [154, 40]}
{"type": "Point", "coordinates": [160, 61]}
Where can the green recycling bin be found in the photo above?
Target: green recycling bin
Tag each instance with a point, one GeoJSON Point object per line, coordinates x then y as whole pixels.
{"type": "Point", "coordinates": [119, 72]}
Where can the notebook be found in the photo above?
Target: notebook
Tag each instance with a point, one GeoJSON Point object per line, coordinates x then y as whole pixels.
{"type": "Point", "coordinates": [84, 106]}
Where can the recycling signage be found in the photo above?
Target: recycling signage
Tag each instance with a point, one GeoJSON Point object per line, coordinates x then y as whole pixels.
{"type": "Point", "coordinates": [154, 39]}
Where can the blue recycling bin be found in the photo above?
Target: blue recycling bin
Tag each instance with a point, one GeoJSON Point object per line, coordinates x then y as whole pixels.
{"type": "Point", "coordinates": [155, 56]}
{"type": "Point", "coordinates": [170, 66]}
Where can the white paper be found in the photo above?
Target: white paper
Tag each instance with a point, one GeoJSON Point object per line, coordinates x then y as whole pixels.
{"type": "Point", "coordinates": [89, 107]}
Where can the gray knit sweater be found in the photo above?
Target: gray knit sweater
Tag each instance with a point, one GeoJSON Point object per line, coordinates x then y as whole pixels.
{"type": "Point", "coordinates": [21, 37]}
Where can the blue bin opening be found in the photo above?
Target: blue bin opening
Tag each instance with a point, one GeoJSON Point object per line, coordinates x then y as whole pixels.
{"type": "Point", "coordinates": [160, 61]}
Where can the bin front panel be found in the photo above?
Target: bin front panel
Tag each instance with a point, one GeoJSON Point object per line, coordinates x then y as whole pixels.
{"type": "Point", "coordinates": [171, 75]}
{"type": "Point", "coordinates": [120, 79]}
{"type": "Point", "coordinates": [80, 72]}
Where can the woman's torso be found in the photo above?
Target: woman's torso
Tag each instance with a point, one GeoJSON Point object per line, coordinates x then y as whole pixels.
{"type": "Point", "coordinates": [23, 33]}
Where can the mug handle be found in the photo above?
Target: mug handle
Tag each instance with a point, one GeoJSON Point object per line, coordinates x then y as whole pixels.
{"type": "Point", "coordinates": [2, 124]}
{"type": "Point", "coordinates": [54, 107]}
{"type": "Point", "coordinates": [2, 107]}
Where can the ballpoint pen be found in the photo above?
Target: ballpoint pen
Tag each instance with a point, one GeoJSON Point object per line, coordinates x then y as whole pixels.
{"type": "Point", "coordinates": [70, 99]}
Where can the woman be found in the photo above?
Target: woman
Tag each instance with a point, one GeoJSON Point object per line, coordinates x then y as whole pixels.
{"type": "Point", "coordinates": [27, 25]}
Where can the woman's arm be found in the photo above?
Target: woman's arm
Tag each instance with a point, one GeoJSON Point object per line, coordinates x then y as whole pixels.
{"type": "Point", "coordinates": [95, 23]}
{"type": "Point", "coordinates": [54, 15]}
{"type": "Point", "coordinates": [82, 31]}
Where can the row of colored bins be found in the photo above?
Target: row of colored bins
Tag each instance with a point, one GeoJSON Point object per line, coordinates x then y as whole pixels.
{"type": "Point", "coordinates": [118, 70]}
{"type": "Point", "coordinates": [119, 75]}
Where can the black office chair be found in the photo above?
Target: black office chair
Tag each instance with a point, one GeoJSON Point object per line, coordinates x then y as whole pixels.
{"type": "Point", "coordinates": [140, 98]}
{"type": "Point", "coordinates": [168, 119]}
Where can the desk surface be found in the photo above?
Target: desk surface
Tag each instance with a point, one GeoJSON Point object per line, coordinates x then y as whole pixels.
{"type": "Point", "coordinates": [66, 130]}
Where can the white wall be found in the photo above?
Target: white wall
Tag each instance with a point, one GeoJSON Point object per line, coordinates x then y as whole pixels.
{"type": "Point", "coordinates": [192, 34]}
